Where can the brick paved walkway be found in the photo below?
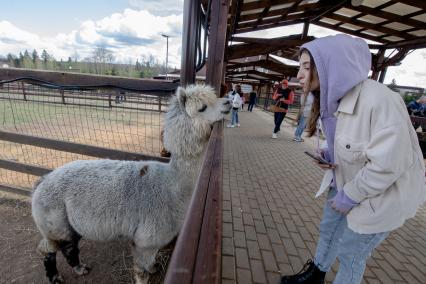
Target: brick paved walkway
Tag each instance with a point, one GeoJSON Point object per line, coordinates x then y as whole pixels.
{"type": "Point", "coordinates": [270, 216]}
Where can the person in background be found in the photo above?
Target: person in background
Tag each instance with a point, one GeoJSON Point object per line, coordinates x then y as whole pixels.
{"type": "Point", "coordinates": [374, 184]}
{"type": "Point", "coordinates": [283, 97]}
{"type": "Point", "coordinates": [243, 101]}
{"type": "Point", "coordinates": [252, 100]}
{"type": "Point", "coordinates": [417, 107]}
{"type": "Point", "coordinates": [235, 100]}
{"type": "Point", "coordinates": [304, 112]}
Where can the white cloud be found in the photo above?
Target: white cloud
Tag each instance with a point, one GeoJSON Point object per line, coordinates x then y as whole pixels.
{"type": "Point", "coordinates": [129, 35]}
{"type": "Point", "coordinates": [161, 8]}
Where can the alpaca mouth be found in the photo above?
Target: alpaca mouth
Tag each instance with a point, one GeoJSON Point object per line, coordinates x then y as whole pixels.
{"type": "Point", "coordinates": [225, 111]}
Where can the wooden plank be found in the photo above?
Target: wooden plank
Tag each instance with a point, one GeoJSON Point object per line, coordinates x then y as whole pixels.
{"type": "Point", "coordinates": [208, 263]}
{"type": "Point", "coordinates": [93, 151]}
{"type": "Point", "coordinates": [15, 189]}
{"type": "Point", "coordinates": [182, 264]}
{"type": "Point", "coordinates": [24, 168]}
{"type": "Point", "coordinates": [217, 42]}
{"type": "Point", "coordinates": [191, 10]}
{"type": "Point", "coordinates": [148, 86]}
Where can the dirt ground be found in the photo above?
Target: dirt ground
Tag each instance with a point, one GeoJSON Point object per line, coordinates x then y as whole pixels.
{"type": "Point", "coordinates": [111, 262]}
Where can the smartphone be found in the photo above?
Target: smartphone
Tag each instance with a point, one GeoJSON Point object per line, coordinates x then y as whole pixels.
{"type": "Point", "coordinates": [318, 158]}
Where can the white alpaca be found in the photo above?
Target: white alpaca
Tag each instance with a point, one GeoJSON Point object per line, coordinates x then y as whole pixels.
{"type": "Point", "coordinates": [144, 202]}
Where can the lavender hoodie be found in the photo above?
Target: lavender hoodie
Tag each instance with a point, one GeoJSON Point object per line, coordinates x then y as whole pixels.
{"type": "Point", "coordinates": [342, 62]}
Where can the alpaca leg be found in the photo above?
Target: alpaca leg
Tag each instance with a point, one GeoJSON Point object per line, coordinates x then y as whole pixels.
{"type": "Point", "coordinates": [48, 249]}
{"type": "Point", "coordinates": [144, 261]}
{"type": "Point", "coordinates": [71, 253]}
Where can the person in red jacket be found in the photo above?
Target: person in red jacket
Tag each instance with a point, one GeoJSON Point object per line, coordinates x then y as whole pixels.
{"type": "Point", "coordinates": [283, 97]}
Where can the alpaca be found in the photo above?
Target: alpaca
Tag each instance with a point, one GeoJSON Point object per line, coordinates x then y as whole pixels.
{"type": "Point", "coordinates": [143, 201]}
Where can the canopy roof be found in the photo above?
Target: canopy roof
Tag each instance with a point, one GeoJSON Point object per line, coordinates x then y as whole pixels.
{"type": "Point", "coordinates": [389, 23]}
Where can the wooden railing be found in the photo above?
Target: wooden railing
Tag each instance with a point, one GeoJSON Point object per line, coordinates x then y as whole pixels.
{"type": "Point", "coordinates": [197, 254]}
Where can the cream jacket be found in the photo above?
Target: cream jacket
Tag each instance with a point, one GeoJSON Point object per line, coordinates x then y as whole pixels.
{"type": "Point", "coordinates": [378, 158]}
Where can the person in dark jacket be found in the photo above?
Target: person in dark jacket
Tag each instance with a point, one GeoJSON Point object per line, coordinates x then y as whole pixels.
{"type": "Point", "coordinates": [252, 100]}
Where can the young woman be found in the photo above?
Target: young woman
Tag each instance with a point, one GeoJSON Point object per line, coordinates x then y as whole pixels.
{"type": "Point", "coordinates": [377, 179]}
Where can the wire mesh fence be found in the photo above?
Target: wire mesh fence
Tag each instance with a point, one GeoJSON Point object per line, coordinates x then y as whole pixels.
{"type": "Point", "coordinates": [105, 117]}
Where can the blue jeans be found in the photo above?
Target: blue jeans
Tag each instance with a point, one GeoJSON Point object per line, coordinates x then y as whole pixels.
{"type": "Point", "coordinates": [234, 116]}
{"type": "Point", "coordinates": [278, 119]}
{"type": "Point", "coordinates": [300, 127]}
{"type": "Point", "coordinates": [337, 240]}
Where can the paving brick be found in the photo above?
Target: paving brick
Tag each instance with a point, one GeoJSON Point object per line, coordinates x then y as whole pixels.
{"type": "Point", "coordinates": [227, 246]}
{"type": "Point", "coordinates": [390, 271]}
{"type": "Point", "coordinates": [227, 230]}
{"type": "Point", "coordinates": [289, 246]}
{"type": "Point", "coordinates": [248, 219]}
{"type": "Point", "coordinates": [280, 253]}
{"type": "Point", "coordinates": [269, 261]}
{"type": "Point", "coordinates": [273, 277]}
{"type": "Point", "coordinates": [297, 239]}
{"type": "Point", "coordinates": [250, 232]}
{"type": "Point", "coordinates": [228, 267]}
{"type": "Point", "coordinates": [239, 239]}
{"type": "Point", "coordinates": [264, 242]}
{"type": "Point", "coordinates": [253, 250]}
{"type": "Point", "coordinates": [273, 235]}
{"type": "Point", "coordinates": [226, 216]}
{"type": "Point", "coordinates": [238, 224]}
{"type": "Point", "coordinates": [244, 275]}
{"type": "Point", "coordinates": [242, 258]}
{"type": "Point", "coordinates": [260, 227]}
{"type": "Point", "coordinates": [257, 271]}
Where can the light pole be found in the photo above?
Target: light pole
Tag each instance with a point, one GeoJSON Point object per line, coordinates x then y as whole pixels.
{"type": "Point", "coordinates": [167, 50]}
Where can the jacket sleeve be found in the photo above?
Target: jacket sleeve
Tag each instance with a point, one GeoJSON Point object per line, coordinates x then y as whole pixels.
{"type": "Point", "coordinates": [389, 155]}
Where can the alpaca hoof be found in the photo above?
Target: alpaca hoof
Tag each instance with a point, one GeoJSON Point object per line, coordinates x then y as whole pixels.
{"type": "Point", "coordinates": [57, 279]}
{"type": "Point", "coordinates": [81, 269]}
{"type": "Point", "coordinates": [142, 277]}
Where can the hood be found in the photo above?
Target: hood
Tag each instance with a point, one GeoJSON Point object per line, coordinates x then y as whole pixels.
{"type": "Point", "coordinates": [342, 62]}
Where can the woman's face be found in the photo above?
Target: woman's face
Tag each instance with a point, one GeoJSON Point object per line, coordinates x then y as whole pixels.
{"type": "Point", "coordinates": [304, 74]}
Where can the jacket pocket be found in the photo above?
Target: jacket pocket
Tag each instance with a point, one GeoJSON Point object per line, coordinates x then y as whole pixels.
{"type": "Point", "coordinates": [351, 152]}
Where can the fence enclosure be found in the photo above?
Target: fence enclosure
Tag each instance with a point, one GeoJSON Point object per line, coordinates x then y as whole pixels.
{"type": "Point", "coordinates": [46, 122]}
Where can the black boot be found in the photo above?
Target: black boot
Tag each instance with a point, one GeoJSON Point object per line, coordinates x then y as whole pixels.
{"type": "Point", "coordinates": [310, 274]}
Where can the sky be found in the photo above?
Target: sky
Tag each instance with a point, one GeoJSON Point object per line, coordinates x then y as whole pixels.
{"type": "Point", "coordinates": [131, 29]}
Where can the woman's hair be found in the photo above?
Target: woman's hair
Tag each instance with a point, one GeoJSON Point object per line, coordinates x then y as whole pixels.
{"type": "Point", "coordinates": [315, 110]}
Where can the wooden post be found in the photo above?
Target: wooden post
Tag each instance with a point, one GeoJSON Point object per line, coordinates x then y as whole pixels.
{"type": "Point", "coordinates": [191, 11]}
{"type": "Point", "coordinates": [62, 95]}
{"type": "Point", "coordinates": [217, 43]}
{"type": "Point", "coordinates": [23, 91]}
{"type": "Point", "coordinates": [159, 104]}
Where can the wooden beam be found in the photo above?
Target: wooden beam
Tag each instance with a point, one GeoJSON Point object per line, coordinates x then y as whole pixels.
{"type": "Point", "coordinates": [347, 31]}
{"type": "Point", "coordinates": [276, 77]}
{"type": "Point", "coordinates": [283, 11]}
{"type": "Point", "coordinates": [276, 21]}
{"type": "Point", "coordinates": [379, 28]}
{"type": "Point", "coordinates": [217, 42]}
{"type": "Point", "coordinates": [386, 15]}
{"type": "Point", "coordinates": [147, 86]}
{"type": "Point", "coordinates": [24, 168]}
{"type": "Point", "coordinates": [263, 4]}
{"type": "Point", "coordinates": [15, 189]}
{"type": "Point", "coordinates": [411, 44]}
{"type": "Point", "coordinates": [269, 46]}
{"type": "Point", "coordinates": [191, 11]}
{"type": "Point", "coordinates": [270, 26]}
{"type": "Point", "coordinates": [93, 151]}
{"type": "Point", "coordinates": [267, 64]}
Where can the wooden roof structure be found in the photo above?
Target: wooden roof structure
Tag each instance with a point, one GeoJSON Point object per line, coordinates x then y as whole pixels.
{"type": "Point", "coordinates": [391, 24]}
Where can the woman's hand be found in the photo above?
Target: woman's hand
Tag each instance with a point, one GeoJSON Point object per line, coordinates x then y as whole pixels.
{"type": "Point", "coordinates": [342, 203]}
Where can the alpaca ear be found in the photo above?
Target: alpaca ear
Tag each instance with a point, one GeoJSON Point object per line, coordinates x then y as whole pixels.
{"type": "Point", "coordinates": [181, 96]}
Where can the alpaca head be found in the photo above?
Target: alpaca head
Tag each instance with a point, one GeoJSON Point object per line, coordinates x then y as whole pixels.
{"type": "Point", "coordinates": [190, 117]}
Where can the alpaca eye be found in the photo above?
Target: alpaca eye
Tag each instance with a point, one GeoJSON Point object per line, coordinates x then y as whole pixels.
{"type": "Point", "coordinates": [203, 108]}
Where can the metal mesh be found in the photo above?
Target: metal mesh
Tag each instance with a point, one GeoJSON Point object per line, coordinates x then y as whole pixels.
{"type": "Point", "coordinates": [110, 118]}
